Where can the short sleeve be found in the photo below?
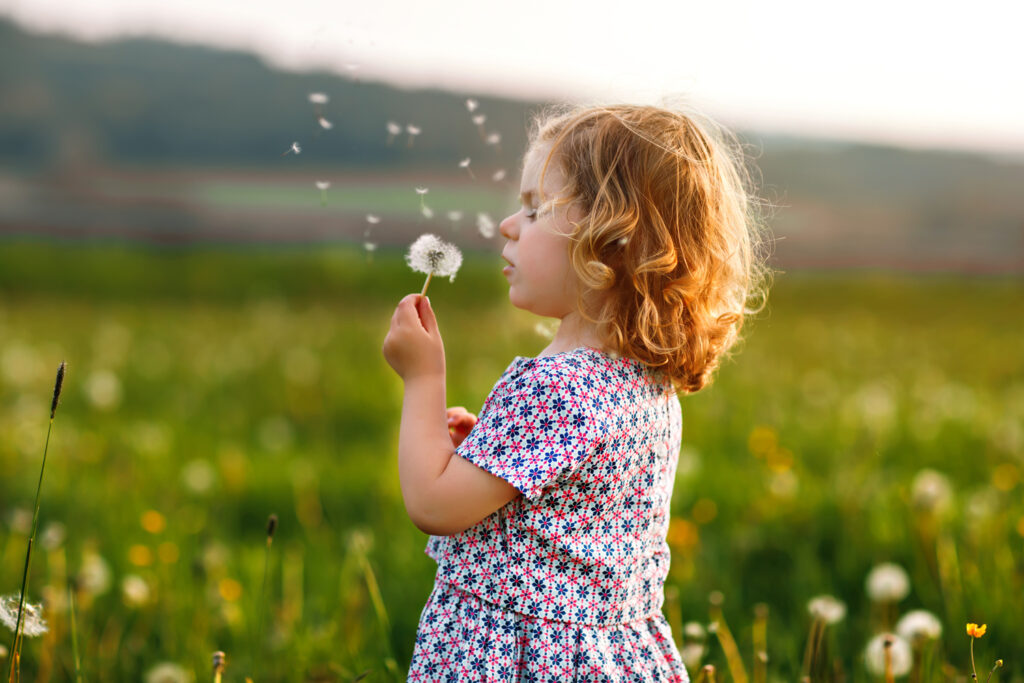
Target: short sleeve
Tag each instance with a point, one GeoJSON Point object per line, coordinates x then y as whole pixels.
{"type": "Point", "coordinates": [533, 430]}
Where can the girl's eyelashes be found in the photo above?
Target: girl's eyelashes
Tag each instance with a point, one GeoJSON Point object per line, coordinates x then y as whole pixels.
{"type": "Point", "coordinates": [531, 213]}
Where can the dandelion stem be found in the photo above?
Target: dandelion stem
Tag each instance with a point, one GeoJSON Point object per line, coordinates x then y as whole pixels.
{"type": "Point", "coordinates": [426, 284]}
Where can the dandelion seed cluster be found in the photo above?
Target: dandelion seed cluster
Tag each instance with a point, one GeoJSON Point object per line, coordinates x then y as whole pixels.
{"type": "Point", "coordinates": [431, 255]}
{"type": "Point", "coordinates": [899, 651]}
{"type": "Point", "coordinates": [32, 622]}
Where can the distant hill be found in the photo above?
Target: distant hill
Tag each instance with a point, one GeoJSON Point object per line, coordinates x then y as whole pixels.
{"type": "Point", "coordinates": [67, 107]}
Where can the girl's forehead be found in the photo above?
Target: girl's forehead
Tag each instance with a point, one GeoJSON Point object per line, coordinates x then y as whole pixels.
{"type": "Point", "coordinates": [533, 165]}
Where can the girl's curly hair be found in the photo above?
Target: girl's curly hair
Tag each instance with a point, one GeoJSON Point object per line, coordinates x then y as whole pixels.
{"type": "Point", "coordinates": [670, 241]}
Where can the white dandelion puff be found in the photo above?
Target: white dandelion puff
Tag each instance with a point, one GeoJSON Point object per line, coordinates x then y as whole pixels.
{"type": "Point", "coordinates": [94, 576]}
{"type": "Point", "coordinates": [53, 535]}
{"type": "Point", "coordinates": [693, 630]}
{"type": "Point", "coordinates": [431, 255]}
{"type": "Point", "coordinates": [479, 119]}
{"type": "Point", "coordinates": [931, 491]}
{"type": "Point", "coordinates": [293, 149]}
{"type": "Point", "coordinates": [472, 104]}
{"type": "Point", "coordinates": [499, 175]}
{"type": "Point", "coordinates": [32, 622]}
{"type": "Point", "coordinates": [135, 590]}
{"type": "Point", "coordinates": [899, 652]}
{"type": "Point", "coordinates": [829, 609]}
{"type": "Point", "coordinates": [372, 219]}
{"type": "Point", "coordinates": [318, 98]}
{"type": "Point", "coordinates": [323, 184]}
{"type": "Point", "coordinates": [485, 225]}
{"type": "Point", "coordinates": [887, 582]}
{"type": "Point", "coordinates": [325, 124]}
{"type": "Point", "coordinates": [493, 139]}
{"type": "Point", "coordinates": [167, 672]}
{"type": "Point", "coordinates": [919, 624]}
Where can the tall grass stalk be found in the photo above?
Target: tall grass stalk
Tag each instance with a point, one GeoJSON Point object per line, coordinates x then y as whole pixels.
{"type": "Point", "coordinates": [14, 662]}
{"type": "Point", "coordinates": [262, 607]}
{"type": "Point", "coordinates": [74, 636]}
{"type": "Point", "coordinates": [732, 652]}
{"type": "Point", "coordinates": [358, 546]}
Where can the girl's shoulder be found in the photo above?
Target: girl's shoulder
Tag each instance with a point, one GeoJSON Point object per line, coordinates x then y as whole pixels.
{"type": "Point", "coordinates": [586, 366]}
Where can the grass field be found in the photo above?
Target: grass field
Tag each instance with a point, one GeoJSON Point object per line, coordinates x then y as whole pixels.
{"type": "Point", "coordinates": [208, 390]}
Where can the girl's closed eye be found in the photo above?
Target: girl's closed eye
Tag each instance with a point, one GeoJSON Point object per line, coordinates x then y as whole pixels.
{"type": "Point", "coordinates": [531, 213]}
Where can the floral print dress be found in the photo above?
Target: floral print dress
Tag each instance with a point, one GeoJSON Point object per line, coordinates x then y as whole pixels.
{"type": "Point", "coordinates": [564, 583]}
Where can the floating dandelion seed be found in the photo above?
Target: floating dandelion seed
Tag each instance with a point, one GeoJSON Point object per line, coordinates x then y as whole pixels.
{"type": "Point", "coordinates": [322, 185]}
{"type": "Point", "coordinates": [294, 148]}
{"type": "Point", "coordinates": [325, 124]}
{"type": "Point", "coordinates": [472, 104]}
{"type": "Point", "coordinates": [465, 164]}
{"type": "Point", "coordinates": [499, 175]}
{"type": "Point", "coordinates": [32, 622]}
{"type": "Point", "coordinates": [431, 255]}
{"type": "Point", "coordinates": [485, 225]}
{"type": "Point", "coordinates": [413, 131]}
{"type": "Point", "coordinates": [318, 98]}
{"type": "Point", "coordinates": [455, 216]}
{"type": "Point", "coordinates": [479, 119]}
{"type": "Point", "coordinates": [422, 190]}
{"type": "Point", "coordinates": [393, 131]}
{"type": "Point", "coordinates": [370, 246]}
{"type": "Point", "coordinates": [426, 211]}
{"type": "Point", "coordinates": [352, 67]}
{"type": "Point", "coordinates": [372, 219]}
{"type": "Point", "coordinates": [493, 139]}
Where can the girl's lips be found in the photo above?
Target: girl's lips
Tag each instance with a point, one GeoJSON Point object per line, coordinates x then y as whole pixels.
{"type": "Point", "coordinates": [506, 270]}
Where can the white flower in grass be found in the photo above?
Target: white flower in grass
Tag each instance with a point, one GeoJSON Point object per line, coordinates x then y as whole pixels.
{"type": "Point", "coordinates": [829, 609]}
{"type": "Point", "coordinates": [887, 582]}
{"type": "Point", "coordinates": [431, 255]}
{"type": "Point", "coordinates": [372, 219]}
{"type": "Point", "coordinates": [167, 672]}
{"type": "Point", "coordinates": [32, 622]}
{"type": "Point", "coordinates": [899, 652]}
{"type": "Point", "coordinates": [485, 225]}
{"type": "Point", "coordinates": [919, 624]}
{"type": "Point", "coordinates": [325, 124]}
{"type": "Point", "coordinates": [472, 104]}
{"type": "Point", "coordinates": [135, 590]}
{"type": "Point", "coordinates": [322, 184]}
{"type": "Point", "coordinates": [318, 98]}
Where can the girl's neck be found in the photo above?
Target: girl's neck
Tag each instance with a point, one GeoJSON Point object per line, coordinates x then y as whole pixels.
{"type": "Point", "coordinates": [573, 332]}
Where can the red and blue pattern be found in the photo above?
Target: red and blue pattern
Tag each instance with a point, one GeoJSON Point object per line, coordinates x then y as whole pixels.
{"type": "Point", "coordinates": [567, 579]}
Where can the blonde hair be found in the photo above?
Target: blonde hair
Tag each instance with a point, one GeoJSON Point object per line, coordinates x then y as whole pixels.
{"type": "Point", "coordinates": [670, 241]}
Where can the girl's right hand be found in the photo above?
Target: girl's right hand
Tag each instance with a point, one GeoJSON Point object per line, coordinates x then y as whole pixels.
{"type": "Point", "coordinates": [460, 422]}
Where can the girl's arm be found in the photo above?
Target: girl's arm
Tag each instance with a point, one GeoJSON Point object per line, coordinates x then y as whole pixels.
{"type": "Point", "coordinates": [443, 493]}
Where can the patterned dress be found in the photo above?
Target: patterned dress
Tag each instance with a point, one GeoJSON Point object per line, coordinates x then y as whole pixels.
{"type": "Point", "coordinates": [564, 583]}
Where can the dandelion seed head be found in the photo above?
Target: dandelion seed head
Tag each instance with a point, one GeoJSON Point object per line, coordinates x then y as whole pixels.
{"type": "Point", "coordinates": [829, 609]}
{"type": "Point", "coordinates": [479, 119]}
{"type": "Point", "coordinates": [372, 219]}
{"type": "Point", "coordinates": [499, 175]}
{"type": "Point", "coordinates": [464, 163]}
{"type": "Point", "coordinates": [421, 190]}
{"type": "Point", "coordinates": [413, 130]}
{"type": "Point", "coordinates": [32, 622]}
{"type": "Point", "coordinates": [899, 651]}
{"type": "Point", "coordinates": [53, 536]}
{"type": "Point", "coordinates": [485, 225]}
{"type": "Point", "coordinates": [692, 654]}
{"type": "Point", "coordinates": [94, 576]}
{"type": "Point", "coordinates": [322, 184]}
{"type": "Point", "coordinates": [472, 104]}
{"type": "Point", "coordinates": [325, 124]}
{"type": "Point", "coordinates": [931, 491]}
{"type": "Point", "coordinates": [318, 98]}
{"type": "Point", "coordinates": [694, 630]}
{"type": "Point", "coordinates": [429, 254]}
{"type": "Point", "coordinates": [493, 138]}
{"type": "Point", "coordinates": [394, 128]}
{"type": "Point", "coordinates": [198, 476]}
{"type": "Point", "coordinates": [887, 582]}
{"type": "Point", "coordinates": [167, 672]}
{"type": "Point", "coordinates": [135, 590]}
{"type": "Point", "coordinates": [919, 624]}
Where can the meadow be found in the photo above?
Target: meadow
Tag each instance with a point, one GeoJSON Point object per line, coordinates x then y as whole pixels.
{"type": "Point", "coordinates": [207, 390]}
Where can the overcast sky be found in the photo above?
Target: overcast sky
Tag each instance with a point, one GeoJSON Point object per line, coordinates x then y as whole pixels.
{"type": "Point", "coordinates": [905, 72]}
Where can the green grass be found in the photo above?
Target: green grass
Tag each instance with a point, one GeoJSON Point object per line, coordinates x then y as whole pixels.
{"type": "Point", "coordinates": [260, 370]}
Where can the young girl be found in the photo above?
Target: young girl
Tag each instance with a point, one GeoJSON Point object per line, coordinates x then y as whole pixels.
{"type": "Point", "coordinates": [548, 516]}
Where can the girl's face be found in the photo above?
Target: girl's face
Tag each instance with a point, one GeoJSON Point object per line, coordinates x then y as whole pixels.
{"type": "Point", "coordinates": [539, 276]}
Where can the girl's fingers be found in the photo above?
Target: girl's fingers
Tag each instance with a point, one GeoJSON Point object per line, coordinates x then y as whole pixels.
{"type": "Point", "coordinates": [426, 314]}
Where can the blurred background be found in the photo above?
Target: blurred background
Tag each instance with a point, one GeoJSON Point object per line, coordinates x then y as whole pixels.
{"type": "Point", "coordinates": [204, 211]}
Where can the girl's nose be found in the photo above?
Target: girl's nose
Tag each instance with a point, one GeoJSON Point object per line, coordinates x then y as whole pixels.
{"type": "Point", "coordinates": [507, 227]}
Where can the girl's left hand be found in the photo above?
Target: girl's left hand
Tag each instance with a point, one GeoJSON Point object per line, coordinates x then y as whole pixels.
{"type": "Point", "coordinates": [413, 346]}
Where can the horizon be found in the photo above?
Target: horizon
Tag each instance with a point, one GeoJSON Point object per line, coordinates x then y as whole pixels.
{"type": "Point", "coordinates": [366, 49]}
